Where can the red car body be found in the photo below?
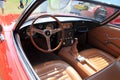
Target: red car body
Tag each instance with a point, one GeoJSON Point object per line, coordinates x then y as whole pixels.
{"type": "Point", "coordinates": [10, 68]}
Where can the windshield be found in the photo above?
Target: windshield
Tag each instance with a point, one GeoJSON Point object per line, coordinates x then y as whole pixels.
{"type": "Point", "coordinates": [77, 8]}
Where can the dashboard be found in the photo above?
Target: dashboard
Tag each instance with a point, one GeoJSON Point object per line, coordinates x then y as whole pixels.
{"type": "Point", "coordinates": [71, 28]}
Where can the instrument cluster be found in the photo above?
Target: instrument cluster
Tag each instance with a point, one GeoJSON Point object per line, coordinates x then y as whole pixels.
{"type": "Point", "coordinates": [54, 25]}
{"type": "Point", "coordinates": [51, 25]}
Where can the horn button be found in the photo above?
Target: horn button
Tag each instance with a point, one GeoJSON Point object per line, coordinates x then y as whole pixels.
{"type": "Point", "coordinates": [47, 32]}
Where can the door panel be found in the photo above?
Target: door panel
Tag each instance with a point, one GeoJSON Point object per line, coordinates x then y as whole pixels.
{"type": "Point", "coordinates": [106, 38]}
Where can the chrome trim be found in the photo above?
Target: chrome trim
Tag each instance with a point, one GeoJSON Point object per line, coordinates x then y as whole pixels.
{"type": "Point", "coordinates": [2, 38]}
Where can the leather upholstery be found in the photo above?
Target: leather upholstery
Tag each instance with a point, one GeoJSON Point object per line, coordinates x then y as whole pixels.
{"type": "Point", "coordinates": [56, 70]}
{"type": "Point", "coordinates": [95, 60]}
{"type": "Point", "coordinates": [106, 38]}
{"type": "Point", "coordinates": [112, 72]}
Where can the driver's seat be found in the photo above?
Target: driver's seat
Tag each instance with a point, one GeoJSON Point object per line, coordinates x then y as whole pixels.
{"type": "Point", "coordinates": [56, 70]}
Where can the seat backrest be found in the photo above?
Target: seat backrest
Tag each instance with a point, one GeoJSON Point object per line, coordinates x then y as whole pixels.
{"type": "Point", "coordinates": [112, 72]}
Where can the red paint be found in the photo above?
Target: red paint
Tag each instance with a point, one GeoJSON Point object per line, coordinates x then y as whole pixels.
{"type": "Point", "coordinates": [10, 65]}
{"type": "Point", "coordinates": [116, 21]}
{"type": "Point", "coordinates": [9, 18]}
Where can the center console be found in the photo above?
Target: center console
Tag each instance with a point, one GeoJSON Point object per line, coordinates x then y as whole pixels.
{"type": "Point", "coordinates": [70, 55]}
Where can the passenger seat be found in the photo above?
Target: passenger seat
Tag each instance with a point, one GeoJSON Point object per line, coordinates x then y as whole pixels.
{"type": "Point", "coordinates": [95, 59]}
{"type": "Point", "coordinates": [86, 62]}
{"type": "Point", "coordinates": [112, 72]}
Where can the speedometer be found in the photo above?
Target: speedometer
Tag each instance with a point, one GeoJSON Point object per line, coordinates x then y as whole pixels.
{"type": "Point", "coordinates": [50, 26]}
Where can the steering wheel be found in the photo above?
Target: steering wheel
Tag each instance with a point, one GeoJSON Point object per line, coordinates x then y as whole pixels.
{"type": "Point", "coordinates": [47, 33]}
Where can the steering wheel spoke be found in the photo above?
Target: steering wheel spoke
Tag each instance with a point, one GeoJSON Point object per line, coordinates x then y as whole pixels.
{"type": "Point", "coordinates": [48, 43]}
{"type": "Point", "coordinates": [37, 30]}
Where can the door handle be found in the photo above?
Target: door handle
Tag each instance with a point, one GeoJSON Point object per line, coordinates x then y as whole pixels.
{"type": "Point", "coordinates": [112, 38]}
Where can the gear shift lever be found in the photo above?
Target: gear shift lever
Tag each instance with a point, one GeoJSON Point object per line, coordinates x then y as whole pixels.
{"type": "Point", "coordinates": [75, 53]}
{"type": "Point", "coordinates": [74, 50]}
{"type": "Point", "coordinates": [78, 57]}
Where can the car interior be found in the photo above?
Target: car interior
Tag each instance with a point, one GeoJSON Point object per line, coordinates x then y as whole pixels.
{"type": "Point", "coordinates": [85, 52]}
{"type": "Point", "coordinates": [71, 49]}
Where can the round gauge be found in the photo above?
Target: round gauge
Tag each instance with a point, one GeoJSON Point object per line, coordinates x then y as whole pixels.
{"type": "Point", "coordinates": [41, 26]}
{"type": "Point", "coordinates": [50, 26]}
{"type": "Point", "coordinates": [28, 32]}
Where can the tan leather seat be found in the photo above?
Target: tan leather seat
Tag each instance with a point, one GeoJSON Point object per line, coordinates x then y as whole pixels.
{"type": "Point", "coordinates": [56, 70]}
{"type": "Point", "coordinates": [112, 72]}
{"type": "Point", "coordinates": [95, 60]}
{"type": "Point", "coordinates": [88, 61]}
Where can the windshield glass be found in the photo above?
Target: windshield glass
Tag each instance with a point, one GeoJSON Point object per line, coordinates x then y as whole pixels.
{"type": "Point", "coordinates": [76, 8]}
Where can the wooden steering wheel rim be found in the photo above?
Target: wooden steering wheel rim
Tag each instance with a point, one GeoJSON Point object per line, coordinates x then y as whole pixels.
{"type": "Point", "coordinates": [60, 43]}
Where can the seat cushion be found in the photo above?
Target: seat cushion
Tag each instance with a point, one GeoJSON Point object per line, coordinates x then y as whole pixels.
{"type": "Point", "coordinates": [112, 72]}
{"type": "Point", "coordinates": [96, 59]}
{"type": "Point", "coordinates": [56, 70]}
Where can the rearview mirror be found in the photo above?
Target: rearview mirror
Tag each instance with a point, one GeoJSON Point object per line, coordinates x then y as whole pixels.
{"type": "Point", "coordinates": [55, 4]}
